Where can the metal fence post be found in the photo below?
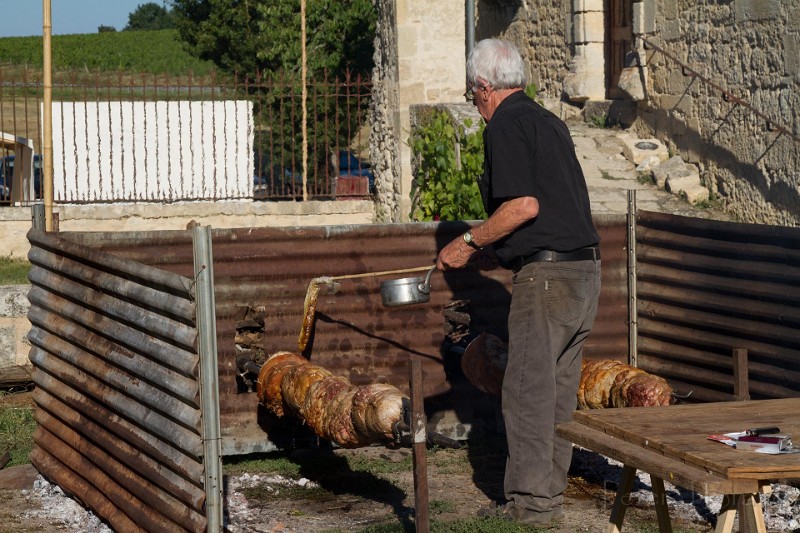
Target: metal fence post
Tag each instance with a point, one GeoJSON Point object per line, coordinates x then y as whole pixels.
{"type": "Point", "coordinates": [209, 384]}
{"type": "Point", "coordinates": [633, 348]}
{"type": "Point", "coordinates": [38, 217]}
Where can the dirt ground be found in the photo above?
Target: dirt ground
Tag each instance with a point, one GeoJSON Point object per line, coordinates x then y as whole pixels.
{"type": "Point", "coordinates": [454, 494]}
{"type": "Point", "coordinates": [337, 498]}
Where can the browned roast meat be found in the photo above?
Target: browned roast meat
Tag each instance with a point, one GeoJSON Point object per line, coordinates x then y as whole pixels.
{"type": "Point", "coordinates": [320, 394]}
{"type": "Point", "coordinates": [270, 378]}
{"type": "Point", "coordinates": [646, 390]}
{"type": "Point", "coordinates": [330, 405]}
{"type": "Point", "coordinates": [609, 383]}
{"type": "Point", "coordinates": [339, 422]}
{"type": "Point", "coordinates": [296, 383]}
{"type": "Point", "coordinates": [597, 382]}
{"type": "Point", "coordinates": [376, 408]}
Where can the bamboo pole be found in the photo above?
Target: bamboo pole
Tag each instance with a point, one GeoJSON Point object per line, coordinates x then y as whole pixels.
{"type": "Point", "coordinates": [303, 75]}
{"type": "Point", "coordinates": [47, 118]}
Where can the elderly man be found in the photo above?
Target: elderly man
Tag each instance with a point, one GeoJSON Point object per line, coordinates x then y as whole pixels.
{"type": "Point", "coordinates": [540, 227]}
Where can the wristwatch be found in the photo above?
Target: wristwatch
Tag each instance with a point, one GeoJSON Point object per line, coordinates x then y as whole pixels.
{"type": "Point", "coordinates": [468, 239]}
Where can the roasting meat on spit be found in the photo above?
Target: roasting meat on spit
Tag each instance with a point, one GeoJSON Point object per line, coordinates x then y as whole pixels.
{"type": "Point", "coordinates": [351, 416]}
{"type": "Point", "coordinates": [609, 383]}
{"type": "Point", "coordinates": [604, 383]}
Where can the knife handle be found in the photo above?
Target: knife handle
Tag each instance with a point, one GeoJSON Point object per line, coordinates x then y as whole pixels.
{"type": "Point", "coordinates": [763, 431]}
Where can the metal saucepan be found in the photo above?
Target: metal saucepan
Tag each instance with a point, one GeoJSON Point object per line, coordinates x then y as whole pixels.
{"type": "Point", "coordinates": [406, 291]}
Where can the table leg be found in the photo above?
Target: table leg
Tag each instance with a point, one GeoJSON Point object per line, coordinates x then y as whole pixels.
{"type": "Point", "coordinates": [751, 517]}
{"type": "Point", "coordinates": [660, 499]}
{"type": "Point", "coordinates": [727, 514]}
{"type": "Point", "coordinates": [752, 514]}
{"type": "Point", "coordinates": [621, 501]}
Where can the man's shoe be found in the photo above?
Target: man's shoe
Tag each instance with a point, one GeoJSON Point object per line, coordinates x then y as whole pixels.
{"type": "Point", "coordinates": [494, 511]}
{"type": "Point", "coordinates": [509, 512]}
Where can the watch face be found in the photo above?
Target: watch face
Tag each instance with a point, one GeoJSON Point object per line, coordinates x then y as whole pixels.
{"type": "Point", "coordinates": [468, 236]}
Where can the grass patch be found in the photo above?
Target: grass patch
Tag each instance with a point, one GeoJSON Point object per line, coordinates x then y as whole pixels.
{"type": "Point", "coordinates": [16, 432]}
{"type": "Point", "coordinates": [13, 271]}
{"type": "Point", "coordinates": [266, 493]}
{"type": "Point", "coordinates": [335, 474]}
{"type": "Point", "coordinates": [441, 506]}
{"type": "Point", "coordinates": [467, 525]}
{"type": "Point", "coordinates": [645, 178]}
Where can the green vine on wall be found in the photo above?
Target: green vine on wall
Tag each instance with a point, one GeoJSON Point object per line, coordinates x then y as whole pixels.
{"type": "Point", "coordinates": [448, 162]}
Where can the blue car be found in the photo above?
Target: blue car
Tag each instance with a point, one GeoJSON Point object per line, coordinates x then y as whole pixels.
{"type": "Point", "coordinates": [7, 177]}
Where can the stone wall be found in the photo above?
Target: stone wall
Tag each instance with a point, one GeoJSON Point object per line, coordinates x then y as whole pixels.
{"type": "Point", "coordinates": [420, 59]}
{"type": "Point", "coordinates": [14, 326]}
{"type": "Point", "coordinates": [16, 221]}
{"type": "Point", "coordinates": [541, 30]}
{"type": "Point", "coordinates": [750, 48]}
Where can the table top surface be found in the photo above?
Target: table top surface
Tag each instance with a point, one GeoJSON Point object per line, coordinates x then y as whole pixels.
{"type": "Point", "coordinates": [680, 432]}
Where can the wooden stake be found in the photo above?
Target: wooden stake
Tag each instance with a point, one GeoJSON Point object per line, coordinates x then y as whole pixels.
{"type": "Point", "coordinates": [420, 438]}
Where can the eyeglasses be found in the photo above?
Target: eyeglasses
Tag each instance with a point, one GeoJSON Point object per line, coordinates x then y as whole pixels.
{"type": "Point", "coordinates": [470, 94]}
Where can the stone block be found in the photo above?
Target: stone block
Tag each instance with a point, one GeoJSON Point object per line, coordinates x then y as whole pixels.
{"type": "Point", "coordinates": [8, 346]}
{"type": "Point", "coordinates": [593, 54]}
{"type": "Point", "coordinates": [688, 186]}
{"type": "Point", "coordinates": [611, 112]}
{"type": "Point", "coordinates": [589, 27]}
{"type": "Point", "coordinates": [644, 17]}
{"type": "Point", "coordinates": [791, 54]}
{"type": "Point", "coordinates": [14, 301]}
{"type": "Point", "coordinates": [631, 82]}
{"type": "Point", "coordinates": [674, 167]}
{"type": "Point", "coordinates": [582, 6]}
{"type": "Point", "coordinates": [757, 9]}
{"type": "Point", "coordinates": [682, 103]}
{"type": "Point", "coordinates": [638, 150]}
{"type": "Point", "coordinates": [583, 86]}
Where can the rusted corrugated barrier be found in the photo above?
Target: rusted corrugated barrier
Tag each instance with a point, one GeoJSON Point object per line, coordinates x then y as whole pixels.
{"type": "Point", "coordinates": [354, 334]}
{"type": "Point", "coordinates": [708, 287]}
{"type": "Point", "coordinates": [116, 375]}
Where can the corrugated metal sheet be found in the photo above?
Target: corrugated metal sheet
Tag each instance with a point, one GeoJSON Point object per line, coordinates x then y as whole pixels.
{"type": "Point", "coordinates": [355, 335]}
{"type": "Point", "coordinates": [116, 369]}
{"type": "Point", "coordinates": [706, 288]}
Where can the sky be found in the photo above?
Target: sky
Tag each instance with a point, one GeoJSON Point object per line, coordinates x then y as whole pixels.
{"type": "Point", "coordinates": [22, 18]}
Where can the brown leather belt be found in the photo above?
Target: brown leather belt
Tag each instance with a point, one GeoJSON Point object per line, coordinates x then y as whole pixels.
{"type": "Point", "coordinates": [591, 253]}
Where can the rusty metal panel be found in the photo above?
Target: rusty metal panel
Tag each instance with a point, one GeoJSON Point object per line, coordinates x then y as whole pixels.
{"type": "Point", "coordinates": [116, 368]}
{"type": "Point", "coordinates": [705, 288]}
{"type": "Point", "coordinates": [354, 334]}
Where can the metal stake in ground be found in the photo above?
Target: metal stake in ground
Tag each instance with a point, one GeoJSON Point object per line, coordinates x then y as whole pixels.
{"type": "Point", "coordinates": [420, 439]}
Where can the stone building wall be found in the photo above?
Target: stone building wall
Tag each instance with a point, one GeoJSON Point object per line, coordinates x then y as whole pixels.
{"type": "Point", "coordinates": [542, 32]}
{"type": "Point", "coordinates": [420, 59]}
{"type": "Point", "coordinates": [751, 49]}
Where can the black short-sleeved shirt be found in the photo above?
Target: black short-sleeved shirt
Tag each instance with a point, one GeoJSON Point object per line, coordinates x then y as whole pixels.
{"type": "Point", "coordinates": [528, 151]}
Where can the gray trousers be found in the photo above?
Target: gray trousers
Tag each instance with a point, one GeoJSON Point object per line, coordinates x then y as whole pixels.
{"type": "Point", "coordinates": [553, 307]}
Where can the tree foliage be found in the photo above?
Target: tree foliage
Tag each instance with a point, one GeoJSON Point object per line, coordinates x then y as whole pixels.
{"type": "Point", "coordinates": [261, 39]}
{"type": "Point", "coordinates": [150, 16]}
{"type": "Point", "coordinates": [263, 36]}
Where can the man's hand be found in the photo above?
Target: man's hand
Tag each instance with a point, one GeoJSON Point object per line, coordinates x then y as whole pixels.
{"type": "Point", "coordinates": [455, 255]}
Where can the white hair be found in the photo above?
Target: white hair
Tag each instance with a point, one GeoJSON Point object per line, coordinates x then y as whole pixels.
{"type": "Point", "coordinates": [498, 63]}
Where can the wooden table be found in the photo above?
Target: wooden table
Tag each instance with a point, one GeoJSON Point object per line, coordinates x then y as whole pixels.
{"type": "Point", "coordinates": [670, 443]}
